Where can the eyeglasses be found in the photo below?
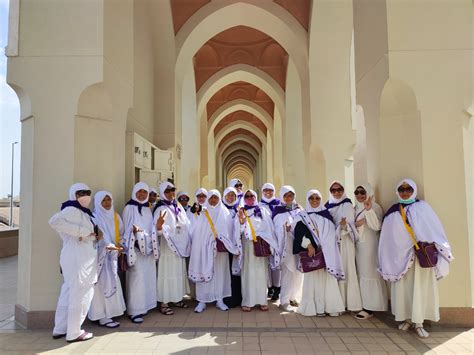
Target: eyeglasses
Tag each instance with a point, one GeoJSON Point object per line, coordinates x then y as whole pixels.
{"type": "Point", "coordinates": [311, 198]}
{"type": "Point", "coordinates": [167, 191]}
{"type": "Point", "coordinates": [238, 185]}
{"type": "Point", "coordinates": [359, 192]}
{"type": "Point", "coordinates": [201, 196]}
{"type": "Point", "coordinates": [402, 189]}
{"type": "Point", "coordinates": [249, 196]}
{"type": "Point", "coordinates": [183, 199]}
{"type": "Point", "coordinates": [83, 192]}
{"type": "Point", "coordinates": [338, 189]}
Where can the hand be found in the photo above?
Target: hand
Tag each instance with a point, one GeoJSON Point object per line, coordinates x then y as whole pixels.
{"type": "Point", "coordinates": [343, 222]}
{"type": "Point", "coordinates": [161, 220]}
{"type": "Point", "coordinates": [113, 247]}
{"type": "Point", "coordinates": [368, 203]}
{"type": "Point", "coordinates": [287, 227]}
{"type": "Point", "coordinates": [360, 222]}
{"type": "Point", "coordinates": [311, 250]}
{"type": "Point", "coordinates": [241, 216]}
{"type": "Point", "coordinates": [99, 236]}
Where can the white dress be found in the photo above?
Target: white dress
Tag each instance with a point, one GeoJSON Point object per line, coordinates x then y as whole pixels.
{"type": "Point", "coordinates": [254, 276]}
{"type": "Point", "coordinates": [372, 286]}
{"type": "Point", "coordinates": [350, 290]}
{"type": "Point", "coordinates": [415, 296]}
{"type": "Point", "coordinates": [219, 286]}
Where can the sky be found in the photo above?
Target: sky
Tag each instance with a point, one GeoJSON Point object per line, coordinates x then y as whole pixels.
{"type": "Point", "coordinates": [10, 127]}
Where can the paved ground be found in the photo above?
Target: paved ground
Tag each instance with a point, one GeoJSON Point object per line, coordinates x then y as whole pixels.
{"type": "Point", "coordinates": [233, 332]}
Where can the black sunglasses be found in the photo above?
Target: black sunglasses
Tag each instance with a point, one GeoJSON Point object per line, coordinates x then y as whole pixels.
{"type": "Point", "coordinates": [338, 189]}
{"type": "Point", "coordinates": [167, 191]}
{"type": "Point", "coordinates": [249, 196]}
{"type": "Point", "coordinates": [201, 196]}
{"type": "Point", "coordinates": [83, 192]}
{"type": "Point", "coordinates": [238, 185]}
{"type": "Point", "coordinates": [405, 189]}
{"type": "Point", "coordinates": [359, 192]}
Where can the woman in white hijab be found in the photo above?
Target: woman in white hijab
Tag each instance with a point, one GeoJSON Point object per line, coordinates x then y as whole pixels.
{"type": "Point", "coordinates": [193, 213]}
{"type": "Point", "coordinates": [230, 202]}
{"type": "Point", "coordinates": [209, 263]}
{"type": "Point", "coordinates": [315, 230]}
{"type": "Point", "coordinates": [269, 202]}
{"type": "Point", "coordinates": [368, 220]}
{"type": "Point", "coordinates": [342, 211]}
{"type": "Point", "coordinates": [411, 226]}
{"type": "Point", "coordinates": [108, 299]}
{"type": "Point", "coordinates": [253, 228]}
{"type": "Point", "coordinates": [238, 186]}
{"type": "Point", "coordinates": [78, 263]}
{"type": "Point", "coordinates": [152, 198]}
{"type": "Point", "coordinates": [141, 249]}
{"type": "Point", "coordinates": [173, 229]}
{"type": "Point", "coordinates": [291, 278]}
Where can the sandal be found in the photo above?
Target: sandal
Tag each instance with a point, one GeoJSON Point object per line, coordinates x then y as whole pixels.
{"type": "Point", "coordinates": [421, 332]}
{"type": "Point", "coordinates": [294, 303]}
{"type": "Point", "coordinates": [113, 324]}
{"type": "Point", "coordinates": [83, 337]}
{"type": "Point", "coordinates": [137, 319]}
{"type": "Point", "coordinates": [181, 304]}
{"type": "Point", "coordinates": [167, 311]}
{"type": "Point", "coordinates": [363, 315]}
{"type": "Point", "coordinates": [264, 308]}
{"type": "Point", "coordinates": [404, 326]}
{"type": "Point", "coordinates": [246, 309]}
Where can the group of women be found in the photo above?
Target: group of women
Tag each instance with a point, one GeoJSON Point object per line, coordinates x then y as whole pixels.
{"type": "Point", "coordinates": [235, 250]}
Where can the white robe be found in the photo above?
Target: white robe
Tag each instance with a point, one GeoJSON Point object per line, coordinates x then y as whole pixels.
{"type": "Point", "coordinates": [78, 262]}
{"type": "Point", "coordinates": [372, 286]}
{"type": "Point", "coordinates": [172, 281]}
{"type": "Point", "coordinates": [141, 277]}
{"type": "Point", "coordinates": [291, 278]}
{"type": "Point", "coordinates": [254, 276]}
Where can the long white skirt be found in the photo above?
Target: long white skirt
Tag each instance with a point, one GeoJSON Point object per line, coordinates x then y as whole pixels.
{"type": "Point", "coordinates": [349, 287]}
{"type": "Point", "coordinates": [291, 277]}
{"type": "Point", "coordinates": [219, 286]}
{"type": "Point", "coordinates": [415, 296]}
{"type": "Point", "coordinates": [141, 290]}
{"type": "Point", "coordinates": [320, 294]}
{"type": "Point", "coordinates": [254, 276]}
{"type": "Point", "coordinates": [172, 281]}
{"type": "Point", "coordinates": [372, 286]}
{"type": "Point", "coordinates": [102, 307]}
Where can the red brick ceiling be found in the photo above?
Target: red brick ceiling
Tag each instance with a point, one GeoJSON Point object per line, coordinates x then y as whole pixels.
{"type": "Point", "coordinates": [238, 131]}
{"type": "Point", "coordinates": [240, 116]}
{"type": "Point", "coordinates": [240, 45]}
{"type": "Point", "coordinates": [247, 146]}
{"type": "Point", "coordinates": [239, 90]}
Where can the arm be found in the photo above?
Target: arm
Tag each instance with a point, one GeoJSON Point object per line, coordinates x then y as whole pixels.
{"type": "Point", "coordinates": [373, 219]}
{"type": "Point", "coordinates": [71, 222]}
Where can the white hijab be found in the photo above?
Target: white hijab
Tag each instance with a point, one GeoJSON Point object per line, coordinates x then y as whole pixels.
{"type": "Point", "coordinates": [268, 186]}
{"type": "Point", "coordinates": [76, 187]}
{"type": "Point", "coordinates": [105, 218]}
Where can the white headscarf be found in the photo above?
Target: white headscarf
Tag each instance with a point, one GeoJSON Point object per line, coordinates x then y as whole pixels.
{"type": "Point", "coordinates": [200, 191]}
{"type": "Point", "coordinates": [308, 205]}
{"type": "Point", "coordinates": [226, 192]}
{"type": "Point", "coordinates": [369, 192]}
{"type": "Point", "coordinates": [268, 186]}
{"type": "Point", "coordinates": [163, 186]}
{"type": "Point", "coordinates": [153, 190]}
{"type": "Point", "coordinates": [182, 193]}
{"type": "Point", "coordinates": [332, 199]}
{"type": "Point", "coordinates": [76, 187]}
{"type": "Point", "coordinates": [253, 193]}
{"type": "Point", "coordinates": [140, 186]}
{"type": "Point", "coordinates": [285, 189]}
{"type": "Point", "coordinates": [105, 218]}
{"type": "Point", "coordinates": [412, 184]}
{"type": "Point", "coordinates": [234, 182]}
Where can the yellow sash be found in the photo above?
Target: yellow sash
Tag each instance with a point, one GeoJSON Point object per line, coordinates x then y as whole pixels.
{"type": "Point", "coordinates": [252, 230]}
{"type": "Point", "coordinates": [408, 228]}
{"type": "Point", "coordinates": [117, 230]}
{"type": "Point", "coordinates": [209, 219]}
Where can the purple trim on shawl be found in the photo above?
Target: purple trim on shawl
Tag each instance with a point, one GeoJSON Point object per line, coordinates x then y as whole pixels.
{"type": "Point", "coordinates": [272, 204]}
{"type": "Point", "coordinates": [396, 208]}
{"type": "Point", "coordinates": [234, 207]}
{"type": "Point", "coordinates": [169, 204]}
{"type": "Point", "coordinates": [257, 213]}
{"type": "Point", "coordinates": [325, 214]}
{"type": "Point", "coordinates": [332, 205]}
{"type": "Point", "coordinates": [282, 209]}
{"type": "Point", "coordinates": [138, 204]}
{"type": "Point", "coordinates": [77, 205]}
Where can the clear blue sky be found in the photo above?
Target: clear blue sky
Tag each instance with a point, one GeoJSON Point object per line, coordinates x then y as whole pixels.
{"type": "Point", "coordinates": [10, 127]}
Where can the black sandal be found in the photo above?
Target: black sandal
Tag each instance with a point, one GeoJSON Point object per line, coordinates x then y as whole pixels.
{"type": "Point", "coordinates": [181, 304]}
{"type": "Point", "coordinates": [166, 310]}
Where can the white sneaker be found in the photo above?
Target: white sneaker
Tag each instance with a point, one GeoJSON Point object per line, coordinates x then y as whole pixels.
{"type": "Point", "coordinates": [200, 307]}
{"type": "Point", "coordinates": [421, 332]}
{"type": "Point", "coordinates": [221, 305]}
{"type": "Point", "coordinates": [404, 326]}
{"type": "Point", "coordinates": [335, 314]}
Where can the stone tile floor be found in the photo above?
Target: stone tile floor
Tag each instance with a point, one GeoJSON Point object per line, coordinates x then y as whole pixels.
{"type": "Point", "coordinates": [233, 332]}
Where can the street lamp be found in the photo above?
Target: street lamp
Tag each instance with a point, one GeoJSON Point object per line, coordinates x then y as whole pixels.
{"type": "Point", "coordinates": [11, 191]}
